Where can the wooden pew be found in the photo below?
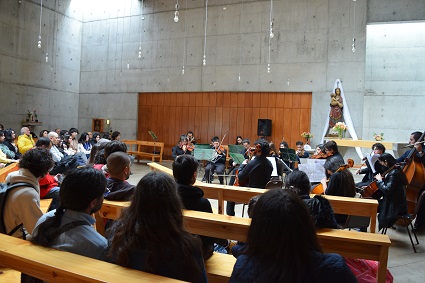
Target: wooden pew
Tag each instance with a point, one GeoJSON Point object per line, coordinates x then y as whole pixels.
{"type": "Point", "coordinates": [138, 148]}
{"type": "Point", "coordinates": [6, 170]}
{"type": "Point", "coordinates": [346, 243]}
{"type": "Point", "coordinates": [341, 205]}
{"type": "Point", "coordinates": [59, 266]}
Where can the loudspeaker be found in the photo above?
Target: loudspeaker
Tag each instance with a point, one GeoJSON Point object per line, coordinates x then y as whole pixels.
{"type": "Point", "coordinates": [264, 127]}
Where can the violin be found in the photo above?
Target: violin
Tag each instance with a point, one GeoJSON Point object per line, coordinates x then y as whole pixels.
{"type": "Point", "coordinates": [190, 147]}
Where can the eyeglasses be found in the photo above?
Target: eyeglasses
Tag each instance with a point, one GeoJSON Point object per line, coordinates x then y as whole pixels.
{"type": "Point", "coordinates": [106, 193]}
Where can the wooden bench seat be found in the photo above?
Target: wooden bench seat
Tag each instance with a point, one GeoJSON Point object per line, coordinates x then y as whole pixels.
{"type": "Point", "coordinates": [341, 205]}
{"type": "Point", "coordinates": [140, 149]}
{"type": "Point", "coordinates": [6, 170]}
{"type": "Point", "coordinates": [63, 267]}
{"type": "Point", "coordinates": [346, 243]}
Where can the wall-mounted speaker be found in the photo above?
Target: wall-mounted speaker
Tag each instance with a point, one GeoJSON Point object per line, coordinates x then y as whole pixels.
{"type": "Point", "coordinates": [264, 127]}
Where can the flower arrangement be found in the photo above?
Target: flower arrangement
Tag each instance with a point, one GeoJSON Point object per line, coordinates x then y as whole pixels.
{"type": "Point", "coordinates": [307, 135]}
{"type": "Point", "coordinates": [378, 137]}
{"type": "Point", "coordinates": [340, 128]}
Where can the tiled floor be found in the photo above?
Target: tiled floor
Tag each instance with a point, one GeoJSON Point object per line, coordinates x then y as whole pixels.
{"type": "Point", "coordinates": [403, 263]}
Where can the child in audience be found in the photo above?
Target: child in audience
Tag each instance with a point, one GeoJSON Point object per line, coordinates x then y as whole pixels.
{"type": "Point", "coordinates": [150, 235]}
{"type": "Point", "coordinates": [283, 245]}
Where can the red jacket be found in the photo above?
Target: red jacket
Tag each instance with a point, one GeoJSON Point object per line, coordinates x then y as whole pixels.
{"type": "Point", "coordinates": [46, 184]}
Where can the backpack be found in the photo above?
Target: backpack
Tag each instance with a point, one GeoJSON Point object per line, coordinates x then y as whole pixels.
{"type": "Point", "coordinates": [4, 192]}
{"type": "Point", "coordinates": [67, 163]}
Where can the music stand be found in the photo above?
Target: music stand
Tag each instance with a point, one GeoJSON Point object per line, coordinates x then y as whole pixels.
{"type": "Point", "coordinates": [202, 146]}
{"type": "Point", "coordinates": [203, 153]}
{"type": "Point", "coordinates": [155, 138]}
{"type": "Point", "coordinates": [237, 157]}
{"type": "Point", "coordinates": [236, 148]}
{"type": "Point", "coordinates": [288, 154]}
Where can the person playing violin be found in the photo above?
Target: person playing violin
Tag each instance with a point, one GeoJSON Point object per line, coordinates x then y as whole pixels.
{"type": "Point", "coordinates": [301, 153]}
{"type": "Point", "coordinates": [257, 172]}
{"type": "Point", "coordinates": [217, 164]}
{"type": "Point", "coordinates": [393, 203]}
{"type": "Point", "coordinates": [319, 153]}
{"type": "Point", "coordinates": [191, 138]}
{"type": "Point", "coordinates": [331, 149]}
{"type": "Point", "coordinates": [181, 147]}
{"type": "Point", "coordinates": [377, 150]}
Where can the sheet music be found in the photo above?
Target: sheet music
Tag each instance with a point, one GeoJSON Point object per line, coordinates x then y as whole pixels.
{"type": "Point", "coordinates": [314, 169]}
{"type": "Point", "coordinates": [372, 159]}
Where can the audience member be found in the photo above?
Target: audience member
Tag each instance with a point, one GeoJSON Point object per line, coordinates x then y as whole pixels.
{"type": "Point", "coordinates": [43, 133]}
{"type": "Point", "coordinates": [73, 132]}
{"type": "Point", "coordinates": [320, 208]}
{"type": "Point", "coordinates": [5, 153]}
{"type": "Point", "coordinates": [69, 227]}
{"type": "Point", "coordinates": [25, 141]}
{"type": "Point", "coordinates": [116, 136]}
{"type": "Point", "coordinates": [150, 235]}
{"type": "Point", "coordinates": [185, 171]}
{"type": "Point", "coordinates": [23, 203]}
{"type": "Point", "coordinates": [84, 144]}
{"type": "Point", "coordinates": [96, 138]}
{"type": "Point", "coordinates": [9, 141]}
{"type": "Point", "coordinates": [49, 187]}
{"type": "Point", "coordinates": [119, 168]}
{"type": "Point", "coordinates": [283, 246]}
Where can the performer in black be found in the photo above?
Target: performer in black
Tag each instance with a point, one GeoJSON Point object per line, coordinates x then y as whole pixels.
{"type": "Point", "coordinates": [217, 163]}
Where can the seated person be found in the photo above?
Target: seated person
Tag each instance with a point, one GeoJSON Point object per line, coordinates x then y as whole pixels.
{"type": "Point", "coordinates": [393, 203]}
{"type": "Point", "coordinates": [81, 195]}
{"type": "Point", "coordinates": [217, 164]}
{"type": "Point", "coordinates": [377, 150]}
{"type": "Point", "coordinates": [185, 169]}
{"type": "Point", "coordinates": [6, 155]}
{"type": "Point", "coordinates": [319, 153]}
{"type": "Point", "coordinates": [341, 183]}
{"type": "Point", "coordinates": [49, 187]}
{"type": "Point", "coordinates": [331, 149]}
{"type": "Point", "coordinates": [191, 138]}
{"type": "Point", "coordinates": [277, 253]}
{"type": "Point", "coordinates": [300, 152]}
{"type": "Point", "coordinates": [320, 208]}
{"type": "Point", "coordinates": [257, 172]}
{"type": "Point", "coordinates": [150, 235]}
{"type": "Point", "coordinates": [25, 141]}
{"type": "Point", "coordinates": [181, 147]}
{"type": "Point", "coordinates": [119, 168]}
{"type": "Point", "coordinates": [9, 141]}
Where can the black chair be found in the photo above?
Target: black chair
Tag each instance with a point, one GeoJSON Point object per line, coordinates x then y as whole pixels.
{"type": "Point", "coordinates": [407, 219]}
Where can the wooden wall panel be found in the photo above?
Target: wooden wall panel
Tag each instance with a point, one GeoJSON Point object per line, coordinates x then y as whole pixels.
{"type": "Point", "coordinates": [210, 114]}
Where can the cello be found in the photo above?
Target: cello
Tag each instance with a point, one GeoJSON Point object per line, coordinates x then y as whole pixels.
{"type": "Point", "coordinates": [415, 174]}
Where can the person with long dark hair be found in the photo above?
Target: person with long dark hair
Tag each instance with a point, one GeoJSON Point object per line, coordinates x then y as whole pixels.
{"type": "Point", "coordinates": [283, 246]}
{"type": "Point", "coordinates": [341, 182]}
{"type": "Point", "coordinates": [393, 203]}
{"type": "Point", "coordinates": [150, 235]}
{"type": "Point", "coordinates": [320, 208]}
{"type": "Point", "coordinates": [81, 195]}
{"type": "Point", "coordinates": [84, 144]}
{"type": "Point", "coordinates": [9, 141]}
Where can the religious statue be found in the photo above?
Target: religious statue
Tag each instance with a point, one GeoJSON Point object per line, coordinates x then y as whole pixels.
{"type": "Point", "coordinates": [336, 108]}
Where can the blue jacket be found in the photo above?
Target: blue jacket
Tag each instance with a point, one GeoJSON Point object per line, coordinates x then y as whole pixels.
{"type": "Point", "coordinates": [329, 268]}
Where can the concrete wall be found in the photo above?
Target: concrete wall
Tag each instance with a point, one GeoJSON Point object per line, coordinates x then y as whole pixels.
{"type": "Point", "coordinates": [91, 42]}
{"type": "Point", "coordinates": [27, 82]}
{"type": "Point", "coordinates": [311, 49]}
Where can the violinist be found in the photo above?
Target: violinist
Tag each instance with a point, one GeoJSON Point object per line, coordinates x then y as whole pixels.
{"type": "Point", "coordinates": [257, 172]}
{"type": "Point", "coordinates": [331, 149]}
{"type": "Point", "coordinates": [217, 163]}
{"type": "Point", "coordinates": [341, 183]}
{"type": "Point", "coordinates": [239, 140]}
{"type": "Point", "coordinates": [191, 138]}
{"type": "Point", "coordinates": [181, 147]}
{"type": "Point", "coordinates": [393, 203]}
{"type": "Point", "coordinates": [377, 150]}
{"type": "Point", "coordinates": [301, 153]}
{"type": "Point", "coordinates": [319, 153]}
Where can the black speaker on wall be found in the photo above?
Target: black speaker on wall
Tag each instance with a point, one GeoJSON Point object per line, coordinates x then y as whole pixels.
{"type": "Point", "coordinates": [264, 127]}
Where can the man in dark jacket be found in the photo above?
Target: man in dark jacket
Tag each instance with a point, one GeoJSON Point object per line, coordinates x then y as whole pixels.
{"type": "Point", "coordinates": [119, 170]}
{"type": "Point", "coordinates": [185, 172]}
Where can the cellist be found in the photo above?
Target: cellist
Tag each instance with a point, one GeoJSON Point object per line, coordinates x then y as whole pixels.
{"type": "Point", "coordinates": [420, 154]}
